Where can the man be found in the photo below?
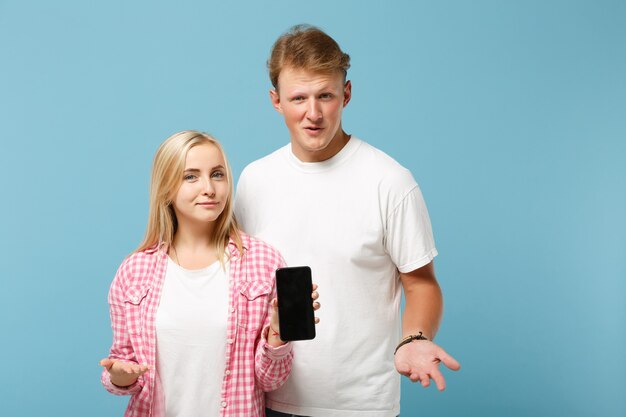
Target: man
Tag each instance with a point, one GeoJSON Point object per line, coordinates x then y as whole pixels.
{"type": "Point", "coordinates": [352, 213]}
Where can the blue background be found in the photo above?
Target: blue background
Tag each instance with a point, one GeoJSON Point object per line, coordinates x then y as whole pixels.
{"type": "Point", "coordinates": [511, 116]}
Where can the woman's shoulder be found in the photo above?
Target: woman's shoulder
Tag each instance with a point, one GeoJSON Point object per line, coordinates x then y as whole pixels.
{"type": "Point", "coordinates": [141, 257]}
{"type": "Point", "coordinates": [138, 264]}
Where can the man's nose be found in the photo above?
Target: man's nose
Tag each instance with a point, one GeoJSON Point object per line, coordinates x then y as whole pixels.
{"type": "Point", "coordinates": [314, 112]}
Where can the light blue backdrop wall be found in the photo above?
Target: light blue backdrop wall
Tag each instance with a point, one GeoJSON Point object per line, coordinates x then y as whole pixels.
{"type": "Point", "coordinates": [511, 115]}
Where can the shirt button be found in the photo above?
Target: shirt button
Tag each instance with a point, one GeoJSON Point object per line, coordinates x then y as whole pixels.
{"type": "Point", "coordinates": [232, 310]}
{"type": "Point", "coordinates": [223, 404]}
{"type": "Point", "coordinates": [229, 341]}
{"type": "Point", "coordinates": [227, 372]}
{"type": "Point", "coordinates": [135, 299]}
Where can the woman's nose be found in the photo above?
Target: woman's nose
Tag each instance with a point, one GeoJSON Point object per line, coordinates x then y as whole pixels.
{"type": "Point", "coordinates": [208, 187]}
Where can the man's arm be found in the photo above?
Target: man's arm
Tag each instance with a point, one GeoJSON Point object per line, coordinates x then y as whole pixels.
{"type": "Point", "coordinates": [424, 302]}
{"type": "Point", "coordinates": [419, 360]}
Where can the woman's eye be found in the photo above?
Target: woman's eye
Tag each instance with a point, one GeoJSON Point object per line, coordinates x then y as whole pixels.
{"type": "Point", "coordinates": [189, 177]}
{"type": "Point", "coordinates": [217, 174]}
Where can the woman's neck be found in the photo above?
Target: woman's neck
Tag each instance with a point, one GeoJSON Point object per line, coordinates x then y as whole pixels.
{"type": "Point", "coordinates": [193, 247]}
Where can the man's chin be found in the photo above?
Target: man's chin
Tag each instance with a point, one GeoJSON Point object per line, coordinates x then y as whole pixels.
{"type": "Point", "coordinates": [314, 144]}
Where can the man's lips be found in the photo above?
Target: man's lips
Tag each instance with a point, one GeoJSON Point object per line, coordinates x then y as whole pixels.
{"type": "Point", "coordinates": [313, 130]}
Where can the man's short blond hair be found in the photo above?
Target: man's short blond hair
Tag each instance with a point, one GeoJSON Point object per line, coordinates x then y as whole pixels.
{"type": "Point", "coordinates": [307, 48]}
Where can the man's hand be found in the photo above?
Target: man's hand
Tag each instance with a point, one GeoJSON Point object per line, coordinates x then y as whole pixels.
{"type": "Point", "coordinates": [123, 374]}
{"type": "Point", "coordinates": [419, 361]}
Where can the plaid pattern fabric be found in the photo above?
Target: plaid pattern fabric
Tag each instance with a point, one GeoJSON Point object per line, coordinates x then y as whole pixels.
{"type": "Point", "coordinates": [252, 365]}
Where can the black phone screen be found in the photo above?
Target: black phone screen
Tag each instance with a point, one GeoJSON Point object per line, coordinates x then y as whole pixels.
{"type": "Point", "coordinates": [295, 306]}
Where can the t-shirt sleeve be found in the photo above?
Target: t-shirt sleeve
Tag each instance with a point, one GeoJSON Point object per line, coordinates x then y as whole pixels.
{"type": "Point", "coordinates": [408, 233]}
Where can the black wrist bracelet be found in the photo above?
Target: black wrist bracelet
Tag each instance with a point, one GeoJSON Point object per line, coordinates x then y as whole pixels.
{"type": "Point", "coordinates": [409, 339]}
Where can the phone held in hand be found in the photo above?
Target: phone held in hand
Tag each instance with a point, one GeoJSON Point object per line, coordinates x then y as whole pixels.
{"type": "Point", "coordinates": [295, 306]}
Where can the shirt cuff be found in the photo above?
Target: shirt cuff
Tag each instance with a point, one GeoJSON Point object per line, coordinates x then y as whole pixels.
{"type": "Point", "coordinates": [274, 352]}
{"type": "Point", "coordinates": [134, 388]}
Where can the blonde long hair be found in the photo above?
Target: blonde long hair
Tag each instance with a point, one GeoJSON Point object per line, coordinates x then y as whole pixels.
{"type": "Point", "coordinates": [167, 176]}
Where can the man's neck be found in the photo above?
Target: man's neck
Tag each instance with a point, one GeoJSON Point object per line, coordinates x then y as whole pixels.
{"type": "Point", "coordinates": [340, 140]}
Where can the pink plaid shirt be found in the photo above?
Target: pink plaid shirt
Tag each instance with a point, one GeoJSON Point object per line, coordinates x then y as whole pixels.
{"type": "Point", "coordinates": [252, 365]}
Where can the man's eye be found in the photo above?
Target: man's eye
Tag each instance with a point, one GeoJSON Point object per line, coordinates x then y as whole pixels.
{"type": "Point", "coordinates": [298, 99]}
{"type": "Point", "coordinates": [326, 96]}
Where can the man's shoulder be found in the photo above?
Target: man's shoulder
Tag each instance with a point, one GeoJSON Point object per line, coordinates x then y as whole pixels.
{"type": "Point", "coordinates": [268, 162]}
{"type": "Point", "coordinates": [378, 156]}
{"type": "Point", "coordinates": [382, 165]}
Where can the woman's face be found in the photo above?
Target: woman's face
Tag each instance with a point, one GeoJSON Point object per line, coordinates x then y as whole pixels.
{"type": "Point", "coordinates": [203, 193]}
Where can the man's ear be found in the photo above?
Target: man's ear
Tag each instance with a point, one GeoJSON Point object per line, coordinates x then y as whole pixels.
{"type": "Point", "coordinates": [276, 101]}
{"type": "Point", "coordinates": [347, 93]}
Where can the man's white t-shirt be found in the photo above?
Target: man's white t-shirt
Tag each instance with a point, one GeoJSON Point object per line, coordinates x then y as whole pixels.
{"type": "Point", "coordinates": [355, 219]}
{"type": "Point", "coordinates": [191, 339]}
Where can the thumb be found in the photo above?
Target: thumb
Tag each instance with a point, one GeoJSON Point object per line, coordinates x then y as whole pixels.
{"type": "Point", "coordinates": [449, 361]}
{"type": "Point", "coordinates": [107, 363]}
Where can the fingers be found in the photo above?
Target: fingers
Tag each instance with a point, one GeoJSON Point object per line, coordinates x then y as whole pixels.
{"type": "Point", "coordinates": [405, 369]}
{"type": "Point", "coordinates": [414, 376]}
{"type": "Point", "coordinates": [107, 363]}
{"type": "Point", "coordinates": [422, 377]}
{"type": "Point", "coordinates": [315, 295]}
{"type": "Point", "coordinates": [133, 369]}
{"type": "Point", "coordinates": [274, 313]}
{"type": "Point", "coordinates": [124, 374]}
{"type": "Point", "coordinates": [140, 369]}
{"type": "Point", "coordinates": [127, 368]}
{"type": "Point", "coordinates": [449, 361]}
{"type": "Point", "coordinates": [439, 380]}
{"type": "Point", "coordinates": [425, 366]}
{"type": "Point", "coordinates": [316, 304]}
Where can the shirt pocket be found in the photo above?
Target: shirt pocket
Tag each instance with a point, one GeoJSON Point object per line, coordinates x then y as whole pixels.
{"type": "Point", "coordinates": [254, 305]}
{"type": "Point", "coordinates": [135, 301]}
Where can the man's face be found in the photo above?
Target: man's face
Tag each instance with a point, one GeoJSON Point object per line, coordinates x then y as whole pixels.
{"type": "Point", "coordinates": [312, 104]}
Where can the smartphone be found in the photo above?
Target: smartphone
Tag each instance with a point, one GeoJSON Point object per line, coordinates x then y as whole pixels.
{"type": "Point", "coordinates": [295, 306]}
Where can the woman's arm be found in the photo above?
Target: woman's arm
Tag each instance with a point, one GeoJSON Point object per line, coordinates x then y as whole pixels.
{"type": "Point", "coordinates": [272, 364]}
{"type": "Point", "coordinates": [273, 357]}
{"type": "Point", "coordinates": [121, 373]}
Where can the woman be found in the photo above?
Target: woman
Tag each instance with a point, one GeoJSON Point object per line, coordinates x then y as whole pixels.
{"type": "Point", "coordinates": [192, 335]}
